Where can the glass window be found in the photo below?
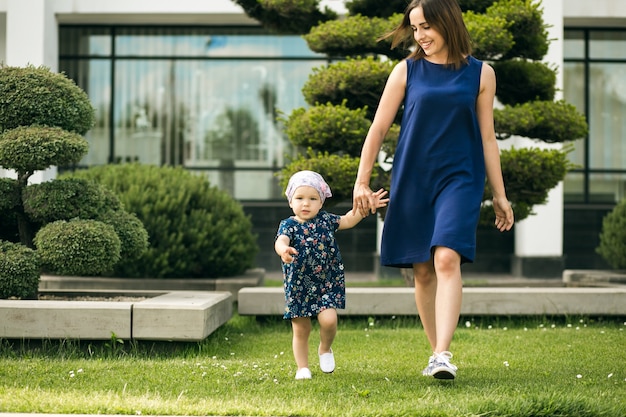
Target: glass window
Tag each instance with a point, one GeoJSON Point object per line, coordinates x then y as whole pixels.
{"type": "Point", "coordinates": [607, 44]}
{"type": "Point", "coordinates": [607, 124]}
{"type": "Point", "coordinates": [574, 44]}
{"type": "Point", "coordinates": [85, 41]}
{"type": "Point", "coordinates": [207, 42]}
{"type": "Point", "coordinates": [94, 76]}
{"type": "Point", "coordinates": [607, 188]}
{"type": "Point", "coordinates": [574, 93]}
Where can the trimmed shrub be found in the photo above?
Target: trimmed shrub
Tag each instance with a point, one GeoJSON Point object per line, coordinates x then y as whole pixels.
{"type": "Point", "coordinates": [329, 127]}
{"type": "Point", "coordinates": [131, 232]}
{"type": "Point", "coordinates": [54, 146]}
{"type": "Point", "coordinates": [38, 96]}
{"type": "Point", "coordinates": [612, 245]}
{"type": "Point", "coordinates": [549, 121]}
{"type": "Point", "coordinates": [359, 82]}
{"type": "Point", "coordinates": [196, 230]}
{"type": "Point", "coordinates": [524, 81]}
{"type": "Point", "coordinates": [287, 16]}
{"type": "Point", "coordinates": [19, 271]}
{"type": "Point", "coordinates": [65, 199]}
{"type": "Point", "coordinates": [78, 247]}
{"type": "Point", "coordinates": [490, 36]}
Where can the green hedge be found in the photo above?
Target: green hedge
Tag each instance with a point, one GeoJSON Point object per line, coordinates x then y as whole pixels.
{"type": "Point", "coordinates": [78, 247]}
{"type": "Point", "coordinates": [195, 230]}
{"type": "Point", "coordinates": [612, 245]}
{"type": "Point", "coordinates": [19, 271]}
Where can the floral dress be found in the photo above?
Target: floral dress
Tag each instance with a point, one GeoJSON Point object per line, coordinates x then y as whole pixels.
{"type": "Point", "coordinates": [315, 280]}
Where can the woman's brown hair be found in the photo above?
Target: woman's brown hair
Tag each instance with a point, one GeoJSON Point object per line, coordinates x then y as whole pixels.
{"type": "Point", "coordinates": [445, 17]}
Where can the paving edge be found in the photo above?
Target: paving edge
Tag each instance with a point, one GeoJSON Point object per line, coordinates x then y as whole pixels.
{"type": "Point", "coordinates": [177, 315]}
{"type": "Point", "coordinates": [495, 301]}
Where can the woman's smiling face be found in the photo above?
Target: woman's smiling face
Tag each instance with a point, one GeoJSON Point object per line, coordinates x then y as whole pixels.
{"type": "Point", "coordinates": [429, 39]}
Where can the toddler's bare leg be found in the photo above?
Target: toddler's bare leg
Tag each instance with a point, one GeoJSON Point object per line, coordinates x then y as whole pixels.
{"type": "Point", "coordinates": [301, 327]}
{"type": "Point", "coordinates": [328, 329]}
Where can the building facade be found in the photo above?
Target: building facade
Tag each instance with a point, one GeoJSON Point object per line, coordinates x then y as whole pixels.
{"type": "Point", "coordinates": [199, 84]}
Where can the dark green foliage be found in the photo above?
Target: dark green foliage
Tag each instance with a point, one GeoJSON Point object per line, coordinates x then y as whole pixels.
{"type": "Point", "coordinates": [286, 16]}
{"type": "Point", "coordinates": [527, 26]}
{"type": "Point", "coordinates": [355, 35]}
{"type": "Point", "coordinates": [65, 199]}
{"type": "Point", "coordinates": [335, 129]}
{"type": "Point", "coordinates": [195, 229]}
{"type": "Point", "coordinates": [359, 82]}
{"type": "Point", "coordinates": [19, 270]}
{"type": "Point", "coordinates": [490, 36]}
{"type": "Point", "coordinates": [549, 121]}
{"type": "Point", "coordinates": [529, 175]}
{"type": "Point", "coordinates": [376, 8]}
{"type": "Point", "coordinates": [9, 195]}
{"type": "Point", "coordinates": [132, 234]}
{"type": "Point", "coordinates": [54, 146]}
{"type": "Point", "coordinates": [37, 96]}
{"type": "Point", "coordinates": [478, 6]}
{"type": "Point", "coordinates": [612, 245]}
{"type": "Point", "coordinates": [77, 247]}
{"type": "Point", "coordinates": [525, 81]}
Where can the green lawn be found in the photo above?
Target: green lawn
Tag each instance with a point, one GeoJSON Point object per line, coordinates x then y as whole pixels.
{"type": "Point", "coordinates": [507, 367]}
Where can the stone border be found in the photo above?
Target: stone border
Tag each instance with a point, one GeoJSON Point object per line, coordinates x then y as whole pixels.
{"type": "Point", "coordinates": [179, 315]}
{"type": "Point", "coordinates": [382, 301]}
{"type": "Point", "coordinates": [252, 278]}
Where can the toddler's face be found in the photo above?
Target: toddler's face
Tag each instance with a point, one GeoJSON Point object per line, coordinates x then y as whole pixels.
{"type": "Point", "coordinates": [305, 203]}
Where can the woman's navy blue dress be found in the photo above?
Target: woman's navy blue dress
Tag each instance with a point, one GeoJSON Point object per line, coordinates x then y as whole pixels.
{"type": "Point", "coordinates": [438, 173]}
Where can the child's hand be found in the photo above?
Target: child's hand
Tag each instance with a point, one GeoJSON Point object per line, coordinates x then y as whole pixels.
{"type": "Point", "coordinates": [379, 201]}
{"type": "Point", "coordinates": [289, 255]}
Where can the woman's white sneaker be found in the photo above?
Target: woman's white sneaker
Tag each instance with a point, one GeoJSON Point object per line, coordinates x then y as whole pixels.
{"type": "Point", "coordinates": [441, 367]}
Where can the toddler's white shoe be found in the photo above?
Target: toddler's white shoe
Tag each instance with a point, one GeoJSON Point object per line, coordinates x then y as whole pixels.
{"type": "Point", "coordinates": [327, 362]}
{"type": "Point", "coordinates": [303, 373]}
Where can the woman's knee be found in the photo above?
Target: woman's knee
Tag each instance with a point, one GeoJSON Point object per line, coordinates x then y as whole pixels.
{"type": "Point", "coordinates": [423, 273]}
{"type": "Point", "coordinates": [446, 260]}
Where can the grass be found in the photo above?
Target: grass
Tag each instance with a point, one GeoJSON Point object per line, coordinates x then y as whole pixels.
{"type": "Point", "coordinates": [507, 367]}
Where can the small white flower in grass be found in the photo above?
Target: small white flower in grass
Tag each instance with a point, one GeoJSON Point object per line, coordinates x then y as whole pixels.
{"type": "Point", "coordinates": [525, 329]}
{"type": "Point", "coordinates": [505, 328]}
{"type": "Point", "coordinates": [601, 331]}
{"type": "Point", "coordinates": [393, 317]}
{"type": "Point", "coordinates": [80, 370]}
{"type": "Point", "coordinates": [569, 325]}
{"type": "Point", "coordinates": [577, 328]}
{"type": "Point", "coordinates": [225, 338]}
{"type": "Point", "coordinates": [72, 374]}
{"type": "Point", "coordinates": [203, 374]}
{"type": "Point", "coordinates": [506, 363]}
{"type": "Point", "coordinates": [275, 356]}
{"type": "Point", "coordinates": [386, 379]}
{"type": "Point", "coordinates": [490, 327]}
{"type": "Point", "coordinates": [579, 376]}
{"type": "Point", "coordinates": [232, 353]}
{"type": "Point", "coordinates": [282, 353]}
{"type": "Point", "coordinates": [468, 324]}
{"type": "Point", "coordinates": [275, 381]}
{"type": "Point", "coordinates": [214, 357]}
{"type": "Point", "coordinates": [138, 412]}
{"type": "Point", "coordinates": [610, 375]}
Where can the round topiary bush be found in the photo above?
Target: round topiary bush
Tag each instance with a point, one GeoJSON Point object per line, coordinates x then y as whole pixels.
{"type": "Point", "coordinates": [196, 230]}
{"type": "Point", "coordinates": [78, 247]}
{"type": "Point", "coordinates": [38, 96]}
{"type": "Point", "coordinates": [19, 270]}
{"type": "Point", "coordinates": [612, 245]}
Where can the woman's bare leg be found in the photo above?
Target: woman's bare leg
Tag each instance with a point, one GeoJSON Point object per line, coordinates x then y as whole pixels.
{"type": "Point", "coordinates": [449, 294]}
{"type": "Point", "coordinates": [425, 296]}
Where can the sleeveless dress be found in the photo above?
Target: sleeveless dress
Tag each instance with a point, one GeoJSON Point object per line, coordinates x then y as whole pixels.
{"type": "Point", "coordinates": [315, 280]}
{"type": "Point", "coordinates": [438, 173]}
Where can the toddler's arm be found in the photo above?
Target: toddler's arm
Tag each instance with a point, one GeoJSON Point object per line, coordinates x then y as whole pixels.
{"type": "Point", "coordinates": [351, 219]}
{"type": "Point", "coordinates": [287, 253]}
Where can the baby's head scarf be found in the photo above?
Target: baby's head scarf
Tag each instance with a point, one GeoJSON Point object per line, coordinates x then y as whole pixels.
{"type": "Point", "coordinates": [310, 178]}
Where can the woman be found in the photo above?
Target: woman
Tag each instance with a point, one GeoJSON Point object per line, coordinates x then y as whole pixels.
{"type": "Point", "coordinates": [447, 145]}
